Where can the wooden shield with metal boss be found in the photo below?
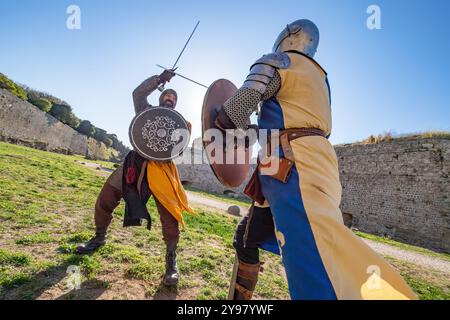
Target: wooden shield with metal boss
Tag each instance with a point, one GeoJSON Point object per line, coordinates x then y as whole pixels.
{"type": "Point", "coordinates": [159, 133]}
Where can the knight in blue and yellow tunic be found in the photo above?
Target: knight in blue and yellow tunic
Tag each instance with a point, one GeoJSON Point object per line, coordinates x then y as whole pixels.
{"type": "Point", "coordinates": [300, 216]}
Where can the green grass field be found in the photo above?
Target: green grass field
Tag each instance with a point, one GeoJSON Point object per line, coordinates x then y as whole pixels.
{"type": "Point", "coordinates": [46, 208]}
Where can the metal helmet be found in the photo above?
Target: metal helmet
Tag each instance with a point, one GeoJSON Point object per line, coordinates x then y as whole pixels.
{"type": "Point", "coordinates": [301, 35]}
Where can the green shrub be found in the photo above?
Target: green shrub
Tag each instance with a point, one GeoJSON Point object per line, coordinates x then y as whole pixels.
{"type": "Point", "coordinates": [86, 128]}
{"type": "Point", "coordinates": [41, 103]}
{"type": "Point", "coordinates": [64, 113]}
{"type": "Point", "coordinates": [8, 84]}
{"type": "Point", "coordinates": [13, 258]}
{"type": "Point", "coordinates": [102, 136]}
{"type": "Point", "coordinates": [108, 142]}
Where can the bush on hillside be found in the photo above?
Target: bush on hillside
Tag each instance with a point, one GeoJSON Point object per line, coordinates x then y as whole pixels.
{"type": "Point", "coordinates": [115, 141]}
{"type": "Point", "coordinates": [102, 136]}
{"type": "Point", "coordinates": [86, 128]}
{"type": "Point", "coordinates": [41, 103]}
{"type": "Point", "coordinates": [386, 137]}
{"type": "Point", "coordinates": [35, 94]}
{"type": "Point", "coordinates": [108, 142]}
{"type": "Point", "coordinates": [64, 113]}
{"type": "Point", "coordinates": [11, 86]}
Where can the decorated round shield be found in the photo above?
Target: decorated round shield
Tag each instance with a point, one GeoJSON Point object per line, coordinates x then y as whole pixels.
{"type": "Point", "coordinates": [159, 133]}
{"type": "Point", "coordinates": [224, 162]}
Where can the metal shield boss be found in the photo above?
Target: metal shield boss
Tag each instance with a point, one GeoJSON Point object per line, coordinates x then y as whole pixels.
{"type": "Point", "coordinates": [159, 133]}
{"type": "Point", "coordinates": [229, 173]}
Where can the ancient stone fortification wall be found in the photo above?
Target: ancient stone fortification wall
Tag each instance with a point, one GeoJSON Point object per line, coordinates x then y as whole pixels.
{"type": "Point", "coordinates": [398, 189]}
{"type": "Point", "coordinates": [22, 123]}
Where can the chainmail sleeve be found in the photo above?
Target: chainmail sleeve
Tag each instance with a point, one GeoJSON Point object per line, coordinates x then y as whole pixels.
{"type": "Point", "coordinates": [141, 93]}
{"type": "Point", "coordinates": [240, 106]}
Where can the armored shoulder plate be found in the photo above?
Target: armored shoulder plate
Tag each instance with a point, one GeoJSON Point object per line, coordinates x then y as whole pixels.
{"type": "Point", "coordinates": [263, 70]}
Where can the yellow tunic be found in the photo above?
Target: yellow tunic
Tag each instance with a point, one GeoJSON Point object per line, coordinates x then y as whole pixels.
{"type": "Point", "coordinates": [164, 183]}
{"type": "Point", "coordinates": [353, 268]}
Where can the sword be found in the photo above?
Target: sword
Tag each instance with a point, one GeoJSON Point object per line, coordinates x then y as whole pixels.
{"type": "Point", "coordinates": [180, 75]}
{"type": "Point", "coordinates": [181, 53]}
{"type": "Point", "coordinates": [161, 87]}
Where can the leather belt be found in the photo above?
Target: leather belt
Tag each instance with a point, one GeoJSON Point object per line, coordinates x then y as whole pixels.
{"type": "Point", "coordinates": [288, 135]}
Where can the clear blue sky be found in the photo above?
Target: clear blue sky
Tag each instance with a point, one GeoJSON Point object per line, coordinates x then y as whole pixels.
{"type": "Point", "coordinates": [396, 78]}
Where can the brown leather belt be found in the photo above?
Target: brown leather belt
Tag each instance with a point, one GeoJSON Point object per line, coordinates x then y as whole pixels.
{"type": "Point", "coordinates": [288, 135]}
{"type": "Point", "coordinates": [253, 188]}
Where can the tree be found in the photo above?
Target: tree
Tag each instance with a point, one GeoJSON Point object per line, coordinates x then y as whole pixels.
{"type": "Point", "coordinates": [100, 134]}
{"type": "Point", "coordinates": [64, 113]}
{"type": "Point", "coordinates": [108, 142]}
{"type": "Point", "coordinates": [74, 121]}
{"type": "Point", "coordinates": [115, 140]}
{"type": "Point", "coordinates": [86, 128]}
{"type": "Point", "coordinates": [41, 103]}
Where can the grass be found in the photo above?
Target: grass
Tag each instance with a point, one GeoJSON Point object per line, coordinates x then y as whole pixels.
{"type": "Point", "coordinates": [8, 258]}
{"type": "Point", "coordinates": [431, 134]}
{"type": "Point", "coordinates": [103, 164]}
{"type": "Point", "coordinates": [428, 284]}
{"type": "Point", "coordinates": [387, 136]}
{"type": "Point", "coordinates": [46, 209]}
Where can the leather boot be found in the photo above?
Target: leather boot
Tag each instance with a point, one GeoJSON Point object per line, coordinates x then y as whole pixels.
{"type": "Point", "coordinates": [246, 279]}
{"type": "Point", "coordinates": [96, 242]}
{"type": "Point", "coordinates": [171, 276]}
{"type": "Point", "coordinates": [107, 201]}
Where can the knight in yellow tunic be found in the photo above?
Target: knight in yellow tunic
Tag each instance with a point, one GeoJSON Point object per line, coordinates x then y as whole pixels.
{"type": "Point", "coordinates": [163, 183]}
{"type": "Point", "coordinates": [299, 216]}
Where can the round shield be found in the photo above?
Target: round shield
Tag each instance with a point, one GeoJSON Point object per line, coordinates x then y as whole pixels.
{"type": "Point", "coordinates": [159, 133]}
{"type": "Point", "coordinates": [229, 170]}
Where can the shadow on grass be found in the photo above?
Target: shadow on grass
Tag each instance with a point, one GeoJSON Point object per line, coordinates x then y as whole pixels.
{"type": "Point", "coordinates": [165, 293]}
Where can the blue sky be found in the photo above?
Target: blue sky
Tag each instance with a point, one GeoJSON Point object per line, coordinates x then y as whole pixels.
{"type": "Point", "coordinates": [394, 79]}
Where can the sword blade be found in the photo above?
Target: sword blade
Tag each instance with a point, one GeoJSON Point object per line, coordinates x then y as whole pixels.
{"type": "Point", "coordinates": [184, 77]}
{"type": "Point", "coordinates": [181, 53]}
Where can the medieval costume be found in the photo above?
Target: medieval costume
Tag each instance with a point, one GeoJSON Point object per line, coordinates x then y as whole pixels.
{"type": "Point", "coordinates": [136, 181]}
{"type": "Point", "coordinates": [296, 210]}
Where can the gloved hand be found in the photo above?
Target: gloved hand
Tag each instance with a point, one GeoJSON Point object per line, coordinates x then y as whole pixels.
{"type": "Point", "coordinates": [166, 76]}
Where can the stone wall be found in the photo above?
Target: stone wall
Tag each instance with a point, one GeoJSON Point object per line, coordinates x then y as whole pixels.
{"type": "Point", "coordinates": [398, 189]}
{"type": "Point", "coordinates": [24, 124]}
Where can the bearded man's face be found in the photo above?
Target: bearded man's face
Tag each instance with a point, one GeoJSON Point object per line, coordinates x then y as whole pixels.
{"type": "Point", "coordinates": [169, 100]}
